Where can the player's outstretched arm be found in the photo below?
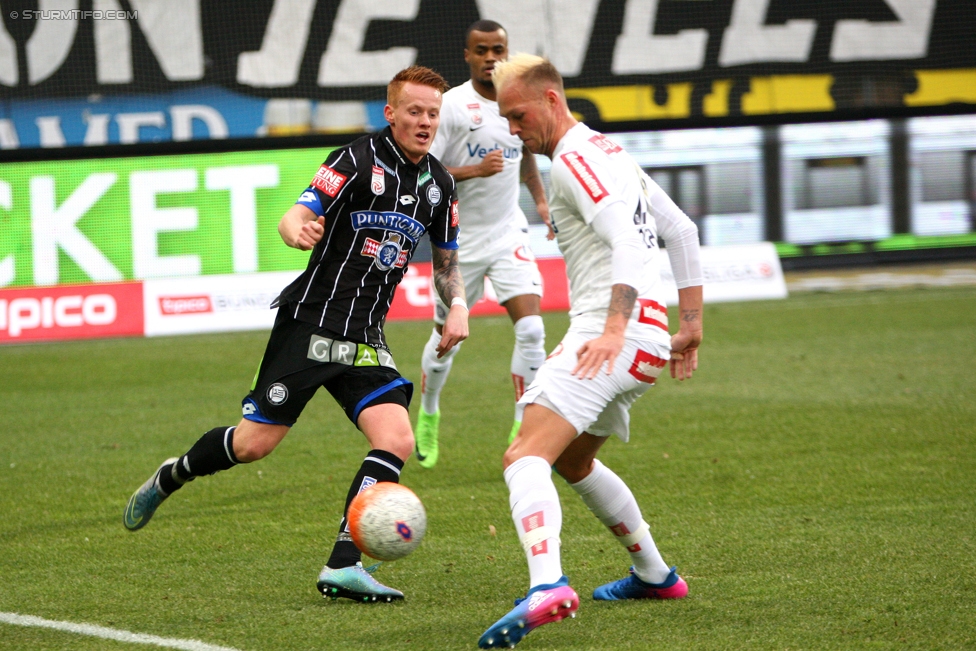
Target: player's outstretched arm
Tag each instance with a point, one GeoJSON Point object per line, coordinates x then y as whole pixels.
{"type": "Point", "coordinates": [450, 287]}
{"type": "Point", "coordinates": [685, 342]}
{"type": "Point", "coordinates": [301, 228]}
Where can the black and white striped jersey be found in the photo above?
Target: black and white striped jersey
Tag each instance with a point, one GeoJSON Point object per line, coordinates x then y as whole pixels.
{"type": "Point", "coordinates": [377, 205]}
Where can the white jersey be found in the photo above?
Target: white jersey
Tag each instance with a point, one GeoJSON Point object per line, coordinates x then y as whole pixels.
{"type": "Point", "coordinates": [589, 173]}
{"type": "Point", "coordinates": [470, 127]}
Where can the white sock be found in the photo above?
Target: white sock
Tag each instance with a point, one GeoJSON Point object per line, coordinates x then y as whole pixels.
{"type": "Point", "coordinates": [435, 372]}
{"type": "Point", "coordinates": [611, 501]}
{"type": "Point", "coordinates": [528, 355]}
{"type": "Point", "coordinates": [538, 517]}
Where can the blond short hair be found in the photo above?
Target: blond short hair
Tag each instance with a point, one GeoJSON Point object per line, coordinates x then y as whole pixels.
{"type": "Point", "coordinates": [530, 69]}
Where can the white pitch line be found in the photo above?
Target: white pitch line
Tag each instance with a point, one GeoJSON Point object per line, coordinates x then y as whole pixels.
{"type": "Point", "coordinates": [110, 633]}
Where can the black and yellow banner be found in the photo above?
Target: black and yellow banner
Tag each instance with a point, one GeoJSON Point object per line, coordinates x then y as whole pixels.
{"type": "Point", "coordinates": [624, 61]}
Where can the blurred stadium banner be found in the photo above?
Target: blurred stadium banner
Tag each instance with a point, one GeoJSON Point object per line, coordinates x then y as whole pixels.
{"type": "Point", "coordinates": [96, 72]}
{"type": "Point", "coordinates": [71, 312]}
{"type": "Point", "coordinates": [146, 217]}
{"type": "Point", "coordinates": [235, 302]}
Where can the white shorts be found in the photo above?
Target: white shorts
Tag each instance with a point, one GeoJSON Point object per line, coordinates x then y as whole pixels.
{"type": "Point", "coordinates": [512, 272]}
{"type": "Point", "coordinates": [600, 406]}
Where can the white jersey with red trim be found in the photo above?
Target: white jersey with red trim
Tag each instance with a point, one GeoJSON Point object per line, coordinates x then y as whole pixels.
{"type": "Point", "coordinates": [589, 173]}
{"type": "Point", "coordinates": [470, 127]}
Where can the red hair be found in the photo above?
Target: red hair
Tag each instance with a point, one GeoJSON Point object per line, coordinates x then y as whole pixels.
{"type": "Point", "coordinates": [414, 75]}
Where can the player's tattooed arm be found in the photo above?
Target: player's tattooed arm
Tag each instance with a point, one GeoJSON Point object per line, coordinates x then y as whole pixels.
{"type": "Point", "coordinates": [602, 351]}
{"type": "Point", "coordinates": [622, 300]}
{"type": "Point", "coordinates": [447, 274]}
{"type": "Point", "coordinates": [450, 287]}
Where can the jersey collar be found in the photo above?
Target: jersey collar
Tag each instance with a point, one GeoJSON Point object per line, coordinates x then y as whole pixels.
{"type": "Point", "coordinates": [479, 96]}
{"type": "Point", "coordinates": [386, 135]}
{"type": "Point", "coordinates": [578, 128]}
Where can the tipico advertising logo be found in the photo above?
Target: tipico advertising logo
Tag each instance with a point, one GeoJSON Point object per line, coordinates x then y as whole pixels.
{"type": "Point", "coordinates": [71, 312]}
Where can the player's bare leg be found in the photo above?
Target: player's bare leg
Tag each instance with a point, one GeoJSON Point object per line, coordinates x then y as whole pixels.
{"type": "Point", "coordinates": [254, 440]}
{"type": "Point", "coordinates": [387, 428]}
{"type": "Point", "coordinates": [612, 502]}
{"type": "Point", "coordinates": [530, 346]}
{"type": "Point", "coordinates": [537, 515]}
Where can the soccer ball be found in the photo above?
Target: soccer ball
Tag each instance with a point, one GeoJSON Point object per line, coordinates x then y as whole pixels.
{"type": "Point", "coordinates": [387, 521]}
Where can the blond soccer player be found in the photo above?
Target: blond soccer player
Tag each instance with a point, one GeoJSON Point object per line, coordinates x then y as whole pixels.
{"type": "Point", "coordinates": [608, 217]}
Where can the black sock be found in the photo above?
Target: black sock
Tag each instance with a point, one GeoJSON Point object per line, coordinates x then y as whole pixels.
{"type": "Point", "coordinates": [213, 452]}
{"type": "Point", "coordinates": [378, 466]}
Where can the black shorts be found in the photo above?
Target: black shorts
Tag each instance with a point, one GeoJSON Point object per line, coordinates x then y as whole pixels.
{"type": "Point", "coordinates": [301, 357]}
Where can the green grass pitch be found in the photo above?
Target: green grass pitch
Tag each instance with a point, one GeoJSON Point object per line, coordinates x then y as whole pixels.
{"type": "Point", "coordinates": [815, 482]}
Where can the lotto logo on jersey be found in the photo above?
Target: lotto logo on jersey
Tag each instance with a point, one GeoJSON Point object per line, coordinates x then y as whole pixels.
{"type": "Point", "coordinates": [454, 214]}
{"type": "Point", "coordinates": [328, 181]}
{"type": "Point", "coordinates": [646, 367]}
{"type": "Point", "coordinates": [608, 146]}
{"type": "Point", "coordinates": [585, 176]}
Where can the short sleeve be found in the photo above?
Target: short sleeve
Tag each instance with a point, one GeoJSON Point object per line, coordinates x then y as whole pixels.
{"type": "Point", "coordinates": [444, 227]}
{"type": "Point", "coordinates": [332, 181]}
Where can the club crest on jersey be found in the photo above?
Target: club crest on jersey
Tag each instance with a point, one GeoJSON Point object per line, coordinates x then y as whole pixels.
{"type": "Point", "coordinates": [277, 393]}
{"type": "Point", "coordinates": [474, 111]}
{"type": "Point", "coordinates": [388, 221]}
{"type": "Point", "coordinates": [386, 254]}
{"type": "Point", "coordinates": [608, 146]}
{"type": "Point", "coordinates": [378, 184]}
{"type": "Point", "coordinates": [328, 181]}
{"type": "Point", "coordinates": [434, 194]}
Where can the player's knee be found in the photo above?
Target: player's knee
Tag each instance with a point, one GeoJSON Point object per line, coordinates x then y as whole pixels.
{"type": "Point", "coordinates": [511, 456]}
{"type": "Point", "coordinates": [403, 447]}
{"type": "Point", "coordinates": [573, 470]}
{"type": "Point", "coordinates": [516, 450]}
{"type": "Point", "coordinates": [530, 332]}
{"type": "Point", "coordinates": [386, 423]}
{"type": "Point", "coordinates": [254, 447]}
{"type": "Point", "coordinates": [400, 443]}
